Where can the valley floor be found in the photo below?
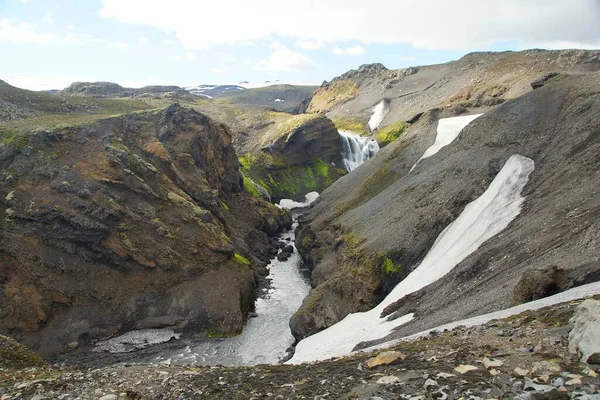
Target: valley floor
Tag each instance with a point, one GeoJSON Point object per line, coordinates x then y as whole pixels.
{"type": "Point", "coordinates": [529, 353]}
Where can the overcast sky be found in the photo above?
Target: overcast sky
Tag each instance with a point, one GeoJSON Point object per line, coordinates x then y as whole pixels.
{"type": "Point", "coordinates": [47, 44]}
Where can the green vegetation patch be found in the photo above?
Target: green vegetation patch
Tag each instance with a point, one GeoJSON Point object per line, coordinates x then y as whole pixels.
{"type": "Point", "coordinates": [15, 355]}
{"type": "Point", "coordinates": [13, 137]}
{"type": "Point", "coordinates": [334, 94]}
{"type": "Point", "coordinates": [353, 124]}
{"type": "Point", "coordinates": [388, 267]}
{"type": "Point", "coordinates": [240, 259]}
{"type": "Point", "coordinates": [389, 133]}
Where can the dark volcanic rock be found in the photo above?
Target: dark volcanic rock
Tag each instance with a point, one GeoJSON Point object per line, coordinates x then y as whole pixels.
{"type": "Point", "coordinates": [538, 83]}
{"type": "Point", "coordinates": [383, 210]}
{"type": "Point", "coordinates": [128, 222]}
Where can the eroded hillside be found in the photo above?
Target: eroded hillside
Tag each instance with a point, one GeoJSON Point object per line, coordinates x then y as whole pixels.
{"type": "Point", "coordinates": [130, 222]}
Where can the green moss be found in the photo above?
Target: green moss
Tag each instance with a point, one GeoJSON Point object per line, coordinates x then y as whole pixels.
{"type": "Point", "coordinates": [389, 133]}
{"type": "Point", "coordinates": [15, 355]}
{"type": "Point", "coordinates": [388, 267]}
{"type": "Point", "coordinates": [177, 199]}
{"type": "Point", "coordinates": [115, 144]}
{"type": "Point", "coordinates": [13, 137]}
{"type": "Point", "coordinates": [240, 259]}
{"type": "Point", "coordinates": [225, 206]}
{"type": "Point", "coordinates": [250, 186]}
{"type": "Point", "coordinates": [353, 124]}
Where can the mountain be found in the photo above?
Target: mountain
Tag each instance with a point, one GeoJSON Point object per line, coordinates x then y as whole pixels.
{"type": "Point", "coordinates": [471, 84]}
{"type": "Point", "coordinates": [128, 222]}
{"type": "Point", "coordinates": [374, 227]}
{"type": "Point", "coordinates": [113, 90]}
{"type": "Point", "coordinates": [280, 97]}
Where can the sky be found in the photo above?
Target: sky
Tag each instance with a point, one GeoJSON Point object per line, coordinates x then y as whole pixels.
{"type": "Point", "coordinates": [48, 44]}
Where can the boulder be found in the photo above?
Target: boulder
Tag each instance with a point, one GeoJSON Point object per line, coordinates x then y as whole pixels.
{"type": "Point", "coordinates": [584, 338]}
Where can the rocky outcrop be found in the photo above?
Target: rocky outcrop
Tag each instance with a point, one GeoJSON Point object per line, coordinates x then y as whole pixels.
{"type": "Point", "coordinates": [584, 338]}
{"type": "Point", "coordinates": [373, 226]}
{"type": "Point", "coordinates": [132, 222]}
{"type": "Point", "coordinates": [304, 138]}
{"type": "Point", "coordinates": [299, 155]}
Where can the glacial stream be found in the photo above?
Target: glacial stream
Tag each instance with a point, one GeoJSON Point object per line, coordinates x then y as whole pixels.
{"type": "Point", "coordinates": [267, 336]}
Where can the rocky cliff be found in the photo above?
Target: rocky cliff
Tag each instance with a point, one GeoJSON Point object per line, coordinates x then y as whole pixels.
{"type": "Point", "coordinates": [372, 227]}
{"type": "Point", "coordinates": [299, 155]}
{"type": "Point", "coordinates": [135, 221]}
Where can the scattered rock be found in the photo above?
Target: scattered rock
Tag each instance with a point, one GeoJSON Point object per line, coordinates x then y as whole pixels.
{"type": "Point", "coordinates": [385, 358]}
{"type": "Point", "coordinates": [538, 83]}
{"type": "Point", "coordinates": [463, 369]}
{"type": "Point", "coordinates": [520, 371]}
{"type": "Point", "coordinates": [429, 383]}
{"type": "Point", "coordinates": [388, 380]}
{"type": "Point", "coordinates": [491, 363]}
{"type": "Point", "coordinates": [546, 367]}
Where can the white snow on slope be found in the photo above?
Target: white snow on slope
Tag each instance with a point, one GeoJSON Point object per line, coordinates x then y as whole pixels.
{"type": "Point", "coordinates": [289, 204]}
{"type": "Point", "coordinates": [447, 130]}
{"type": "Point", "coordinates": [481, 219]}
{"type": "Point", "coordinates": [379, 113]}
{"type": "Point", "coordinates": [579, 292]}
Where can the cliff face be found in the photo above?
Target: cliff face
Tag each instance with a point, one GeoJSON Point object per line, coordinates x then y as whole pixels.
{"type": "Point", "coordinates": [299, 155]}
{"type": "Point", "coordinates": [371, 228]}
{"type": "Point", "coordinates": [139, 221]}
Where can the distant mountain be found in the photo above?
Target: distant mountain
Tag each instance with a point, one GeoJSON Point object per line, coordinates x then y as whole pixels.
{"type": "Point", "coordinates": [280, 97]}
{"type": "Point", "coordinates": [110, 89]}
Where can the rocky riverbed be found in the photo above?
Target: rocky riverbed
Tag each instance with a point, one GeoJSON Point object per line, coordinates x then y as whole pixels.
{"type": "Point", "coordinates": [524, 356]}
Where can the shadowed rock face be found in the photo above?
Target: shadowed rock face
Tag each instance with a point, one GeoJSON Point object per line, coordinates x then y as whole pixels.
{"type": "Point", "coordinates": [383, 211]}
{"type": "Point", "coordinates": [129, 222]}
{"type": "Point", "coordinates": [317, 138]}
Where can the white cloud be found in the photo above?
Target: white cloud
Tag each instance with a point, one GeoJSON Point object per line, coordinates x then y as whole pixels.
{"type": "Point", "coordinates": [286, 60]}
{"type": "Point", "coordinates": [175, 58]}
{"type": "Point", "coordinates": [218, 70]}
{"type": "Point", "coordinates": [48, 18]}
{"type": "Point", "coordinates": [431, 24]}
{"type": "Point", "coordinates": [226, 57]}
{"type": "Point", "coordinates": [357, 50]}
{"type": "Point", "coordinates": [24, 1]}
{"type": "Point", "coordinates": [310, 44]}
{"type": "Point", "coordinates": [190, 56]}
{"type": "Point", "coordinates": [41, 82]}
{"type": "Point", "coordinates": [114, 45]}
{"type": "Point", "coordinates": [24, 33]}
{"type": "Point", "coordinates": [143, 39]}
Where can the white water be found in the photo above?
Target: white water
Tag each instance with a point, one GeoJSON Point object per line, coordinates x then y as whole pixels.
{"type": "Point", "coordinates": [448, 129]}
{"type": "Point", "coordinates": [481, 219]}
{"type": "Point", "coordinates": [289, 204]}
{"type": "Point", "coordinates": [356, 150]}
{"type": "Point", "coordinates": [266, 337]}
{"type": "Point", "coordinates": [379, 113]}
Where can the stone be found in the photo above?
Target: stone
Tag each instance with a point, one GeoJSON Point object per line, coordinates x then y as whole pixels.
{"type": "Point", "coordinates": [463, 369]}
{"type": "Point", "coordinates": [109, 397]}
{"type": "Point", "coordinates": [558, 382]}
{"type": "Point", "coordinates": [385, 358]}
{"type": "Point", "coordinates": [491, 363]}
{"type": "Point", "coordinates": [530, 385]}
{"type": "Point", "coordinates": [574, 381]}
{"type": "Point", "coordinates": [388, 380]}
{"type": "Point", "coordinates": [584, 339]}
{"type": "Point", "coordinates": [546, 367]}
{"type": "Point", "coordinates": [429, 383]}
{"type": "Point", "coordinates": [520, 371]}
{"type": "Point", "coordinates": [594, 359]}
{"type": "Point", "coordinates": [494, 372]}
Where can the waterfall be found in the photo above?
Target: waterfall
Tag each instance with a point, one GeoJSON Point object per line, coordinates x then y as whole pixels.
{"type": "Point", "coordinates": [356, 150]}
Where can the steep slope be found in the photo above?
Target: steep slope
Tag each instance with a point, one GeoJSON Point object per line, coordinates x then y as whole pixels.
{"type": "Point", "coordinates": [472, 84]}
{"type": "Point", "coordinates": [374, 226]}
{"type": "Point", "coordinates": [131, 222]}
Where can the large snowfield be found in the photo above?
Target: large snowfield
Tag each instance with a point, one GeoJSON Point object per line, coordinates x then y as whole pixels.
{"type": "Point", "coordinates": [481, 219]}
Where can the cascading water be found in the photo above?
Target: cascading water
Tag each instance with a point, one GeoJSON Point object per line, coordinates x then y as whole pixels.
{"type": "Point", "coordinates": [356, 150]}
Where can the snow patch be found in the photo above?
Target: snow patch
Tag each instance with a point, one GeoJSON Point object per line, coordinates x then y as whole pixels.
{"type": "Point", "coordinates": [481, 219]}
{"type": "Point", "coordinates": [279, 101]}
{"type": "Point", "coordinates": [291, 204]}
{"type": "Point", "coordinates": [568, 295]}
{"type": "Point", "coordinates": [379, 113]}
{"type": "Point", "coordinates": [136, 340]}
{"type": "Point", "coordinates": [447, 130]}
